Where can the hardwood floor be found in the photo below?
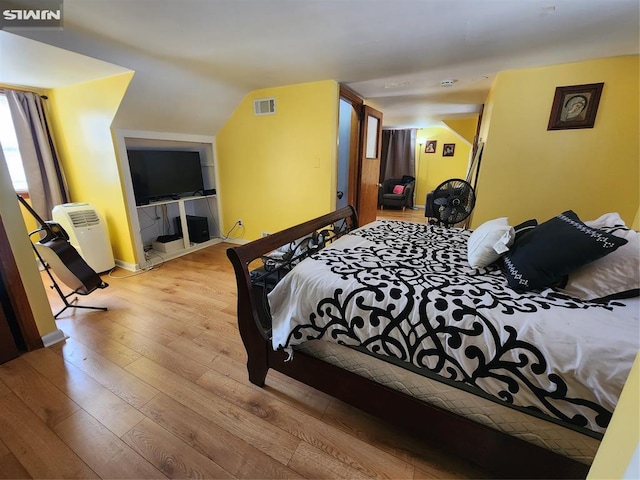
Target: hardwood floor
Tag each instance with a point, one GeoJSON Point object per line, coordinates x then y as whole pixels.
{"type": "Point", "coordinates": [156, 387]}
{"type": "Point", "coordinates": [406, 215]}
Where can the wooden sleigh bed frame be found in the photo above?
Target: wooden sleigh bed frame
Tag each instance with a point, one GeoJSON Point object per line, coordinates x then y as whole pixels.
{"type": "Point", "coordinates": [497, 452]}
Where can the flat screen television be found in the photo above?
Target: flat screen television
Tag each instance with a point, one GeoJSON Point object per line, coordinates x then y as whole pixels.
{"type": "Point", "coordinates": [159, 174]}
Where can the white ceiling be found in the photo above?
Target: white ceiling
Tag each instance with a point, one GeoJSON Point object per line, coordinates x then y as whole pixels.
{"type": "Point", "coordinates": [196, 59]}
{"type": "Point", "coordinates": [27, 63]}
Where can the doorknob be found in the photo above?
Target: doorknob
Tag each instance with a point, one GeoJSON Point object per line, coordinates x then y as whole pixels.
{"type": "Point", "coordinates": [340, 195]}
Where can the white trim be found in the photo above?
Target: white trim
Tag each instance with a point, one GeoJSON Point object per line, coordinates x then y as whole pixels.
{"type": "Point", "coordinates": [132, 267]}
{"type": "Point", "coordinates": [54, 337]}
{"type": "Point", "coordinates": [158, 258]}
{"type": "Point", "coordinates": [150, 135]}
{"type": "Point", "coordinates": [121, 136]}
{"type": "Point", "coordinates": [236, 241]}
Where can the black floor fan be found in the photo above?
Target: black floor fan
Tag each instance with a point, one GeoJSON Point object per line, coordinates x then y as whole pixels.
{"type": "Point", "coordinates": [452, 202]}
{"type": "Point", "coordinates": [56, 253]}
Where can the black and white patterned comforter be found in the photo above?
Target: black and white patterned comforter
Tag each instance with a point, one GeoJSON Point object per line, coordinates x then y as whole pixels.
{"type": "Point", "coordinates": [407, 291]}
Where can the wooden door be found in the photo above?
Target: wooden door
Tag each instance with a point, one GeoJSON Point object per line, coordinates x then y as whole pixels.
{"type": "Point", "coordinates": [370, 149]}
{"type": "Point", "coordinates": [357, 104]}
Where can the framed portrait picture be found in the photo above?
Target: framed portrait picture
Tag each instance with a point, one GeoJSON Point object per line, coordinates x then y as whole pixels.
{"type": "Point", "coordinates": [575, 106]}
{"type": "Point", "coordinates": [430, 146]}
{"type": "Point", "coordinates": [448, 149]}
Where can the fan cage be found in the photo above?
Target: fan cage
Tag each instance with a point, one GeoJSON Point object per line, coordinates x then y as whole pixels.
{"type": "Point", "coordinates": [453, 201]}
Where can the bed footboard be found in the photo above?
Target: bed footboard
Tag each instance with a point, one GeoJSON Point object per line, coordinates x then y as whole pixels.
{"type": "Point", "coordinates": [259, 264]}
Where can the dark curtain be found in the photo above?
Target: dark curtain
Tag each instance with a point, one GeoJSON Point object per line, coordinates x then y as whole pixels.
{"type": "Point", "coordinates": [47, 185]}
{"type": "Point", "coordinates": [398, 154]}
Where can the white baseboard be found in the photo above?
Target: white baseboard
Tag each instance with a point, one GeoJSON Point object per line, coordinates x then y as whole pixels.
{"type": "Point", "coordinates": [52, 338]}
{"type": "Point", "coordinates": [132, 267]}
{"type": "Point", "coordinates": [237, 241]}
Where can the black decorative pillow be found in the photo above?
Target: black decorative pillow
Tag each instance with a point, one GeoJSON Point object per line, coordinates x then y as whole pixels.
{"type": "Point", "coordinates": [524, 227]}
{"type": "Point", "coordinates": [555, 248]}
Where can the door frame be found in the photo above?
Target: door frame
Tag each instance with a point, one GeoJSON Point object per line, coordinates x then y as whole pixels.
{"type": "Point", "coordinates": [361, 175]}
{"type": "Point", "coordinates": [357, 105]}
{"type": "Point", "coordinates": [369, 162]}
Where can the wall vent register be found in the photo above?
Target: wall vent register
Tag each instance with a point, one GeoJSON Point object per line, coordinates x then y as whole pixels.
{"type": "Point", "coordinates": [264, 106]}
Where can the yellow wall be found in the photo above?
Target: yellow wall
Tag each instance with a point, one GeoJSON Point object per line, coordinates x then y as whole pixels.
{"type": "Point", "coordinates": [623, 433]}
{"type": "Point", "coordinates": [279, 170]}
{"type": "Point", "coordinates": [81, 119]}
{"type": "Point", "coordinates": [529, 172]}
{"type": "Point", "coordinates": [432, 168]}
{"type": "Point", "coordinates": [465, 127]}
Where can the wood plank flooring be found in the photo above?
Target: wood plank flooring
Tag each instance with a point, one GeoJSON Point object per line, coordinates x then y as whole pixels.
{"type": "Point", "coordinates": [156, 387]}
{"type": "Point", "coordinates": [406, 215]}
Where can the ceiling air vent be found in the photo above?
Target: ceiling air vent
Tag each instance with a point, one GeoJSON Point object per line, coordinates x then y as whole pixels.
{"type": "Point", "coordinates": [447, 83]}
{"type": "Point", "coordinates": [264, 106]}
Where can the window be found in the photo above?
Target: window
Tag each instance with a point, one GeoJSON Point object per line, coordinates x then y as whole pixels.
{"type": "Point", "coordinates": [10, 148]}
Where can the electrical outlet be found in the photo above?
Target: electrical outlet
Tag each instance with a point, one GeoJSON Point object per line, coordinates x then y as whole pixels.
{"type": "Point", "coordinates": [239, 222]}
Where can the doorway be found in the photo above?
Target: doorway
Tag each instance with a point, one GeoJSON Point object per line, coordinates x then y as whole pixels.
{"type": "Point", "coordinates": [344, 153]}
{"type": "Point", "coordinates": [362, 126]}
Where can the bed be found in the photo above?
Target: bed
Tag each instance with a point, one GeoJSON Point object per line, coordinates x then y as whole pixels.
{"type": "Point", "coordinates": [393, 318]}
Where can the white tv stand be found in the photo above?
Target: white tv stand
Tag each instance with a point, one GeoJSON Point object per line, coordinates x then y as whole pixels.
{"type": "Point", "coordinates": [148, 222]}
{"type": "Point", "coordinates": [156, 218]}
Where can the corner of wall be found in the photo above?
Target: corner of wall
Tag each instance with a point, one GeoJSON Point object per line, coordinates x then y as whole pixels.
{"type": "Point", "coordinates": [82, 115]}
{"type": "Point", "coordinates": [14, 224]}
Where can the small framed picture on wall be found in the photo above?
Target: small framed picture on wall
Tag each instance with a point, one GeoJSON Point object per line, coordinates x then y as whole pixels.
{"type": "Point", "coordinates": [430, 146]}
{"type": "Point", "coordinates": [448, 149]}
{"type": "Point", "coordinates": [575, 106]}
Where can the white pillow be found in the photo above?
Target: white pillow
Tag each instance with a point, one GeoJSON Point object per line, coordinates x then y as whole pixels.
{"type": "Point", "coordinates": [489, 242]}
{"type": "Point", "coordinates": [606, 220]}
{"type": "Point", "coordinates": [616, 275]}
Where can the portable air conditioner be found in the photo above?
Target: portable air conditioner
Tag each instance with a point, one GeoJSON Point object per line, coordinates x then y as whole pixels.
{"type": "Point", "coordinates": [87, 232]}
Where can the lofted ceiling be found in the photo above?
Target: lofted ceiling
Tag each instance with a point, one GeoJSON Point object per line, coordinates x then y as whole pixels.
{"type": "Point", "coordinates": [196, 59]}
